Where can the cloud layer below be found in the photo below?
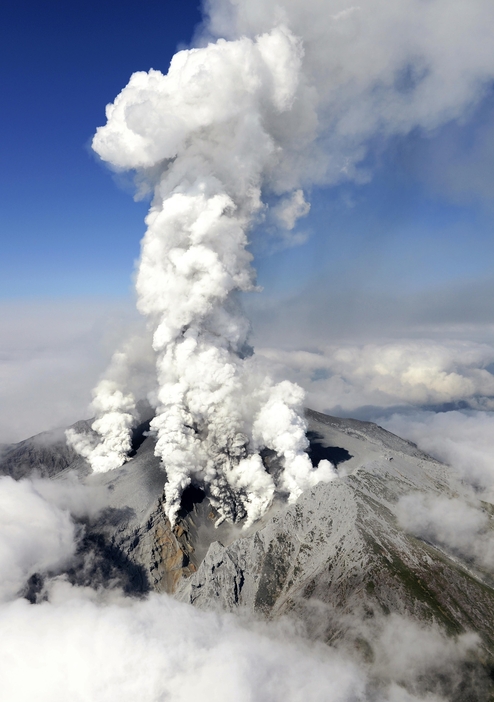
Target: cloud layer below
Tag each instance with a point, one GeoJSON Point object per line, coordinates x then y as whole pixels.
{"type": "Point", "coordinates": [51, 353]}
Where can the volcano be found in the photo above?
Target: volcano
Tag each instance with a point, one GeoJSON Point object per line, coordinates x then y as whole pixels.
{"type": "Point", "coordinates": [335, 557]}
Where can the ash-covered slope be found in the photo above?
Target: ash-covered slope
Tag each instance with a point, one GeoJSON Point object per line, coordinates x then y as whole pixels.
{"type": "Point", "coordinates": [339, 554]}
{"type": "Point", "coordinates": [46, 454]}
{"type": "Point", "coordinates": [336, 557]}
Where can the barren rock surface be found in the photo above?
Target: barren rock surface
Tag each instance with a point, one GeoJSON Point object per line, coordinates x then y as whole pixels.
{"type": "Point", "coordinates": [336, 556]}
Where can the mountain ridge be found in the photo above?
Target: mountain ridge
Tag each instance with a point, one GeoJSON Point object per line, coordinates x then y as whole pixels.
{"type": "Point", "coordinates": [336, 557]}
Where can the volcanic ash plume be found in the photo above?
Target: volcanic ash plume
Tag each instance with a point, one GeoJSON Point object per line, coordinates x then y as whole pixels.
{"type": "Point", "coordinates": [114, 406]}
{"type": "Point", "coordinates": [200, 136]}
{"type": "Point", "coordinates": [110, 444]}
{"type": "Point", "coordinates": [235, 126]}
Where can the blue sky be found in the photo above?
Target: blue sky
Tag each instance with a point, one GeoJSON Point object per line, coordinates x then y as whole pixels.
{"type": "Point", "coordinates": [67, 229]}
{"type": "Point", "coordinates": [70, 229]}
{"type": "Point", "coordinates": [407, 255]}
{"type": "Point", "coordinates": [408, 228]}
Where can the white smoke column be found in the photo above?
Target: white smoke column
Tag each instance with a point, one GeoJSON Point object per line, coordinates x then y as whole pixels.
{"type": "Point", "coordinates": [115, 411]}
{"type": "Point", "coordinates": [260, 118]}
{"type": "Point", "coordinates": [129, 374]}
{"type": "Point", "coordinates": [201, 136]}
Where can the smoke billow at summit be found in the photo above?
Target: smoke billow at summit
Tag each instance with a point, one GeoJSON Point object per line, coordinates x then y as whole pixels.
{"type": "Point", "coordinates": [230, 139]}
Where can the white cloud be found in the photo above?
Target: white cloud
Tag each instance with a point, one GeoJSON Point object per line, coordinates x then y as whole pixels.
{"type": "Point", "coordinates": [34, 535]}
{"type": "Point", "coordinates": [80, 649]}
{"type": "Point", "coordinates": [51, 354]}
{"type": "Point", "coordinates": [291, 209]}
{"type": "Point", "coordinates": [406, 652]}
{"type": "Point", "coordinates": [464, 440]}
{"type": "Point", "coordinates": [450, 522]}
{"type": "Point", "coordinates": [385, 374]}
{"type": "Point", "coordinates": [83, 646]}
{"type": "Point", "coordinates": [71, 495]}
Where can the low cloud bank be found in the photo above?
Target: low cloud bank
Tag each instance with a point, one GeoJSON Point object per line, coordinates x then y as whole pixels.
{"type": "Point", "coordinates": [80, 648]}
{"type": "Point", "coordinates": [460, 527]}
{"type": "Point", "coordinates": [464, 440]}
{"type": "Point", "coordinates": [35, 535]}
{"type": "Point", "coordinates": [93, 646]}
{"type": "Point", "coordinates": [51, 354]}
{"type": "Point", "coordinates": [83, 644]}
{"type": "Point", "coordinates": [410, 372]}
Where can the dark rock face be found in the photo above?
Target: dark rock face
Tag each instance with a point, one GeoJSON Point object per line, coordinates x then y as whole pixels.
{"type": "Point", "coordinates": [336, 556]}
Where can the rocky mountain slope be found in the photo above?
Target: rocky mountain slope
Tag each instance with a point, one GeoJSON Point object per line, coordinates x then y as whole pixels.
{"type": "Point", "coordinates": [339, 551]}
{"type": "Point", "coordinates": [337, 560]}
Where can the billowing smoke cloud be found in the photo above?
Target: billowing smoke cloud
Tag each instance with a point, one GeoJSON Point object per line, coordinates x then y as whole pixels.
{"type": "Point", "coordinates": [115, 408]}
{"type": "Point", "coordinates": [115, 417]}
{"type": "Point", "coordinates": [192, 132]}
{"type": "Point", "coordinates": [289, 99]}
{"type": "Point", "coordinates": [373, 71]}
